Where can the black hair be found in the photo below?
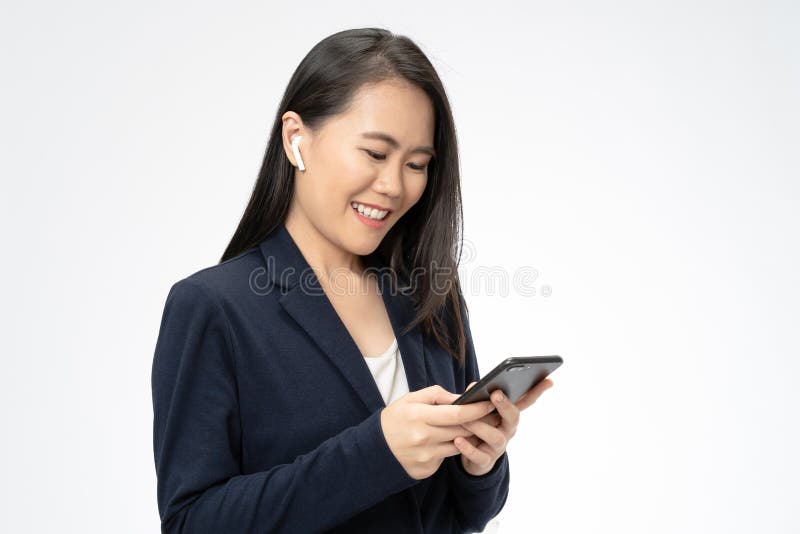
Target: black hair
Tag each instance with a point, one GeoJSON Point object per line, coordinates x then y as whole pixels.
{"type": "Point", "coordinates": [424, 245]}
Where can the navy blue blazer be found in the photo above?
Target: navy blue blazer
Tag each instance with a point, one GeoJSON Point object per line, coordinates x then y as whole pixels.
{"type": "Point", "coordinates": [267, 418]}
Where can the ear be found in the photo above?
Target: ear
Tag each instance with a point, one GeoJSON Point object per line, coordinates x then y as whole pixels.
{"type": "Point", "coordinates": [292, 126]}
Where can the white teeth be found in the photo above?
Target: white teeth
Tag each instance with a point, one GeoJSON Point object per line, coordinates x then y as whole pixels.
{"type": "Point", "coordinates": [372, 213]}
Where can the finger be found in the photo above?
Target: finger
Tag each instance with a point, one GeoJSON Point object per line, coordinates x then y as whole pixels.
{"type": "Point", "coordinates": [470, 385]}
{"type": "Point", "coordinates": [433, 395]}
{"type": "Point", "coordinates": [444, 434]}
{"type": "Point", "coordinates": [493, 419]}
{"type": "Point", "coordinates": [492, 436]}
{"type": "Point", "coordinates": [474, 454]}
{"type": "Point", "coordinates": [533, 394]}
{"type": "Point", "coordinates": [454, 414]}
{"type": "Point", "coordinates": [473, 439]}
{"type": "Point", "coordinates": [507, 409]}
{"type": "Point", "coordinates": [443, 450]}
{"type": "Point", "coordinates": [529, 399]}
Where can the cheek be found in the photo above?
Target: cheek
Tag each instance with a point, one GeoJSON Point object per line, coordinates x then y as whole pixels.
{"type": "Point", "coordinates": [342, 179]}
{"type": "Point", "coordinates": [354, 175]}
{"type": "Point", "coordinates": [416, 188]}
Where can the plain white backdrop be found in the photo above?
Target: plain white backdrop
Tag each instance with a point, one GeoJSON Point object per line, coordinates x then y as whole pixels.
{"type": "Point", "coordinates": [642, 157]}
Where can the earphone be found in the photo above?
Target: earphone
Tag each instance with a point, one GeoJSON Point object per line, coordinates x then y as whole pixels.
{"type": "Point", "coordinates": [296, 151]}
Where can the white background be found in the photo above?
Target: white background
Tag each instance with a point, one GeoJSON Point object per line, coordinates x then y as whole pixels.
{"type": "Point", "coordinates": [641, 156]}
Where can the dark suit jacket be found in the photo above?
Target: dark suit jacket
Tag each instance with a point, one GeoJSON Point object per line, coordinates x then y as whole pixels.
{"type": "Point", "coordinates": [267, 418]}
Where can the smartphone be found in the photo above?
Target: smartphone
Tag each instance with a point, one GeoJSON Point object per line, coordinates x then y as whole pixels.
{"type": "Point", "coordinates": [515, 376]}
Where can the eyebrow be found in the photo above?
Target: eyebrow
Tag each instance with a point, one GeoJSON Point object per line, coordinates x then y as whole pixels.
{"type": "Point", "coordinates": [393, 142]}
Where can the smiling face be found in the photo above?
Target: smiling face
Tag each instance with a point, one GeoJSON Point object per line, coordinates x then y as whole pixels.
{"type": "Point", "coordinates": [375, 153]}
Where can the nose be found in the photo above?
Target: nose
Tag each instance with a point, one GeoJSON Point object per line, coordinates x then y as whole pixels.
{"type": "Point", "coordinates": [389, 182]}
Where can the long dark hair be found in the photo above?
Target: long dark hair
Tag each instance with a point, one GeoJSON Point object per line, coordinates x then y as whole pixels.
{"type": "Point", "coordinates": [426, 240]}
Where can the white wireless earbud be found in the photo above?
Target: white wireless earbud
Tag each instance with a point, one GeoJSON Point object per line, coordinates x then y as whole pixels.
{"type": "Point", "coordinates": [296, 151]}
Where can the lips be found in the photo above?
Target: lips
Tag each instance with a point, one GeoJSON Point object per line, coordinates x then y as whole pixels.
{"type": "Point", "coordinates": [372, 223]}
{"type": "Point", "coordinates": [377, 207]}
{"type": "Point", "coordinates": [370, 218]}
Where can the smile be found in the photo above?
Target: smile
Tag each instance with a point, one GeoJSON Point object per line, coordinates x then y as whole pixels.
{"type": "Point", "coordinates": [368, 212]}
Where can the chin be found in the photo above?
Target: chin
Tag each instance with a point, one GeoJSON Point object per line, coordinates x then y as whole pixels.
{"type": "Point", "coordinates": [363, 249]}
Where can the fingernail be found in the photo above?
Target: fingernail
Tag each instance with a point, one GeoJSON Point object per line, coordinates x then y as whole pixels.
{"type": "Point", "coordinates": [499, 397]}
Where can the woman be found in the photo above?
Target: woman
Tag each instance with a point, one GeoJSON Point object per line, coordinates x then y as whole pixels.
{"type": "Point", "coordinates": [277, 405]}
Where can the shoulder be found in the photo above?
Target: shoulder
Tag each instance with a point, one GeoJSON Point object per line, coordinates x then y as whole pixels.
{"type": "Point", "coordinates": [220, 283]}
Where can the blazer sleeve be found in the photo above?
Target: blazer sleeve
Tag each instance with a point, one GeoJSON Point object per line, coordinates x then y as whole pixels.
{"type": "Point", "coordinates": [477, 499]}
{"type": "Point", "coordinates": [197, 438]}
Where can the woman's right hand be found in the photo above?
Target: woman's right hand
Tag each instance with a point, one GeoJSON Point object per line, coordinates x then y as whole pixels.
{"type": "Point", "coordinates": [421, 425]}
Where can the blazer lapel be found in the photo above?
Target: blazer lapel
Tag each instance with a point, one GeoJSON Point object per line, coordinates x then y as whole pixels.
{"type": "Point", "coordinates": [306, 302]}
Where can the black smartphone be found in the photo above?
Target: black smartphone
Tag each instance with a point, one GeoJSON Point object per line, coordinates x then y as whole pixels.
{"type": "Point", "coordinates": [515, 376]}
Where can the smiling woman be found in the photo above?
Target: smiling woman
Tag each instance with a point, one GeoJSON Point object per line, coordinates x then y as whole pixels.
{"type": "Point", "coordinates": [367, 103]}
{"type": "Point", "coordinates": [374, 154]}
{"type": "Point", "coordinates": [272, 411]}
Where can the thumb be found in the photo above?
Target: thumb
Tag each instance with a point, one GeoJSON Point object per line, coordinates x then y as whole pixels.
{"type": "Point", "coordinates": [435, 394]}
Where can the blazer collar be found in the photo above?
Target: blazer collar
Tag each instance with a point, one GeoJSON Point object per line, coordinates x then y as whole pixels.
{"type": "Point", "coordinates": [306, 302]}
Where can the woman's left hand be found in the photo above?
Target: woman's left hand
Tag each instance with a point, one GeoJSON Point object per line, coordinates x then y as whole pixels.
{"type": "Point", "coordinates": [492, 432]}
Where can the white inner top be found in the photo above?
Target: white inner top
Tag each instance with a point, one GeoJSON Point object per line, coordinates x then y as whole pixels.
{"type": "Point", "coordinates": [389, 373]}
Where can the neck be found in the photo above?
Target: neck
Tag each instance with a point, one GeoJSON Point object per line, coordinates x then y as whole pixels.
{"type": "Point", "coordinates": [328, 261]}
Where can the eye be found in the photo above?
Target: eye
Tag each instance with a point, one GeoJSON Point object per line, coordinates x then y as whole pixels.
{"type": "Point", "coordinates": [375, 155]}
{"type": "Point", "coordinates": [378, 156]}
